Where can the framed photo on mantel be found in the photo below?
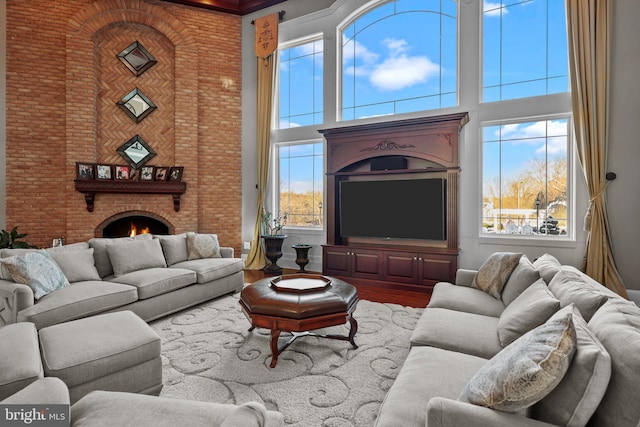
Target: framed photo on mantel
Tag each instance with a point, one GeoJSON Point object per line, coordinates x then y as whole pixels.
{"type": "Point", "coordinates": [85, 170]}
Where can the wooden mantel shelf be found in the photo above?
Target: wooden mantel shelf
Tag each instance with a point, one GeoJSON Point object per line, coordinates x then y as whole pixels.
{"type": "Point", "coordinates": [90, 187]}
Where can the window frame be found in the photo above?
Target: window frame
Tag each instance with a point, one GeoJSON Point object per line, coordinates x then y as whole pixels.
{"type": "Point", "coordinates": [275, 187]}
{"type": "Point", "coordinates": [571, 170]}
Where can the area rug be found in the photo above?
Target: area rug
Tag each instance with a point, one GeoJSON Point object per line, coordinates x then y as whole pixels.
{"type": "Point", "coordinates": [209, 355]}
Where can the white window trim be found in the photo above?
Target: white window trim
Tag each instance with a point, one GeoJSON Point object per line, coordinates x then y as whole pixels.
{"type": "Point", "coordinates": [571, 175]}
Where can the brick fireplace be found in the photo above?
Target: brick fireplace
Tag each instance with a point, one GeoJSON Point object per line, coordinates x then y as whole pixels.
{"type": "Point", "coordinates": [69, 82]}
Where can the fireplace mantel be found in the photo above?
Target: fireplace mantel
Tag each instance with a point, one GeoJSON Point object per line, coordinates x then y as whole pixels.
{"type": "Point", "coordinates": [90, 188]}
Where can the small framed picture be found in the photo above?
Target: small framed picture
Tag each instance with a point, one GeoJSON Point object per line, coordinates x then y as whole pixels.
{"type": "Point", "coordinates": [104, 171]}
{"type": "Point", "coordinates": [161, 173]}
{"type": "Point", "coordinates": [85, 170]}
{"type": "Point", "coordinates": [175, 173]}
{"type": "Point", "coordinates": [146, 173]}
{"type": "Point", "coordinates": [122, 172]}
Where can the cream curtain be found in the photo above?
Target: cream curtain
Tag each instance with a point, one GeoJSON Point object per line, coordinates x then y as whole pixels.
{"type": "Point", "coordinates": [589, 32]}
{"type": "Point", "coordinates": [266, 85]}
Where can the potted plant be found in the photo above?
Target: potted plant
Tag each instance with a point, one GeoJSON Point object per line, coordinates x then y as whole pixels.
{"type": "Point", "coordinates": [11, 240]}
{"type": "Point", "coordinates": [273, 239]}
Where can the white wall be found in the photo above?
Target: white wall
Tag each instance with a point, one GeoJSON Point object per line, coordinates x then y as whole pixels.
{"type": "Point", "coordinates": [623, 194]}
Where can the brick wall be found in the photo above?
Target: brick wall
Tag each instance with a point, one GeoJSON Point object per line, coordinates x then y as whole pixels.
{"type": "Point", "coordinates": [63, 81]}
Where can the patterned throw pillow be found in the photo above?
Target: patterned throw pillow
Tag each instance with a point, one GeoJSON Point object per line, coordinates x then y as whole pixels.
{"type": "Point", "coordinates": [494, 273]}
{"type": "Point", "coordinates": [526, 370]}
{"type": "Point", "coordinates": [202, 246]}
{"type": "Point", "coordinates": [37, 270]}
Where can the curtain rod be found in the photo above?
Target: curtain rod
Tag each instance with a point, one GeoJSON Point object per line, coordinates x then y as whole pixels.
{"type": "Point", "coordinates": [280, 17]}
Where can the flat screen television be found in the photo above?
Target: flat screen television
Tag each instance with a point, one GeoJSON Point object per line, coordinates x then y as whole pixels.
{"type": "Point", "coordinates": [394, 209]}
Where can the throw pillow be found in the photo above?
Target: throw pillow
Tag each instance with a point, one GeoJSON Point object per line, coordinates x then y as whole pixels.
{"type": "Point", "coordinates": [575, 399]}
{"type": "Point", "coordinates": [570, 285]}
{"type": "Point", "coordinates": [37, 270]}
{"type": "Point", "coordinates": [174, 248]}
{"type": "Point", "coordinates": [520, 279]}
{"type": "Point", "coordinates": [617, 325]}
{"type": "Point", "coordinates": [6, 253]}
{"type": "Point", "coordinates": [202, 246]}
{"type": "Point", "coordinates": [532, 308]}
{"type": "Point", "coordinates": [99, 245]}
{"type": "Point", "coordinates": [494, 273]}
{"type": "Point", "coordinates": [526, 370]}
{"type": "Point", "coordinates": [77, 265]}
{"type": "Point", "coordinates": [135, 255]}
{"type": "Point", "coordinates": [547, 265]}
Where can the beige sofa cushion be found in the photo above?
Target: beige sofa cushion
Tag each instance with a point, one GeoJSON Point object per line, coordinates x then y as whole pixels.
{"type": "Point", "coordinates": [19, 358]}
{"type": "Point", "coordinates": [547, 265]}
{"type": "Point", "coordinates": [495, 271]}
{"type": "Point", "coordinates": [457, 331]}
{"type": "Point", "coordinates": [527, 369]}
{"type": "Point", "coordinates": [579, 393]}
{"type": "Point", "coordinates": [208, 269]}
{"type": "Point", "coordinates": [617, 325]}
{"type": "Point", "coordinates": [520, 279]}
{"type": "Point", "coordinates": [77, 265]}
{"type": "Point", "coordinates": [531, 309]}
{"type": "Point", "coordinates": [99, 245]}
{"type": "Point", "coordinates": [135, 255]}
{"type": "Point", "coordinates": [570, 285]}
{"type": "Point", "coordinates": [156, 281]}
{"type": "Point", "coordinates": [78, 300]}
{"type": "Point", "coordinates": [463, 298]}
{"type": "Point", "coordinates": [427, 372]}
{"type": "Point", "coordinates": [174, 248]}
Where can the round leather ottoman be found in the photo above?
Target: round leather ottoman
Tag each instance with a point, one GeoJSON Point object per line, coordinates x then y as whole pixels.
{"type": "Point", "coordinates": [269, 303]}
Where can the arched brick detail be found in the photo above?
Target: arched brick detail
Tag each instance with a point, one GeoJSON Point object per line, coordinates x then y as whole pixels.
{"type": "Point", "coordinates": [86, 144]}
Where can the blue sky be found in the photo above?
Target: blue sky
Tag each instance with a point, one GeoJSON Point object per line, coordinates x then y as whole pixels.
{"type": "Point", "coordinates": [389, 69]}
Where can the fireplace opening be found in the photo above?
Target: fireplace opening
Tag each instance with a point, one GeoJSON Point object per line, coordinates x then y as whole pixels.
{"type": "Point", "coordinates": [133, 225]}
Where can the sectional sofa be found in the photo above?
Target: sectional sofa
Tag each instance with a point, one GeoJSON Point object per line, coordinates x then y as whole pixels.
{"type": "Point", "coordinates": [150, 275]}
{"type": "Point", "coordinates": [551, 348]}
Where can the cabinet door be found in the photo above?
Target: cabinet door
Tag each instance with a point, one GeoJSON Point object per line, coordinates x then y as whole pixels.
{"type": "Point", "coordinates": [401, 267]}
{"type": "Point", "coordinates": [366, 264]}
{"type": "Point", "coordinates": [336, 261]}
{"type": "Point", "coordinates": [436, 268]}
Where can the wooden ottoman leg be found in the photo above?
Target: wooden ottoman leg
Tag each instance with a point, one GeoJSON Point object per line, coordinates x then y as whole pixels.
{"type": "Point", "coordinates": [275, 334]}
{"type": "Point", "coordinates": [353, 330]}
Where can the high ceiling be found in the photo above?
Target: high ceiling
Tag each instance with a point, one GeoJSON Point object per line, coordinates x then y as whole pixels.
{"type": "Point", "coordinates": [237, 7]}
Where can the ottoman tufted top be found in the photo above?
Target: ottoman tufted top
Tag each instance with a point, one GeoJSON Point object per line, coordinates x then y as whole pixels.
{"type": "Point", "coordinates": [262, 298]}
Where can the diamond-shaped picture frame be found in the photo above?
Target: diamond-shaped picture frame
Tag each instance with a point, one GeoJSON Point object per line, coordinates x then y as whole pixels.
{"type": "Point", "coordinates": [136, 152]}
{"type": "Point", "coordinates": [136, 58]}
{"type": "Point", "coordinates": [136, 105]}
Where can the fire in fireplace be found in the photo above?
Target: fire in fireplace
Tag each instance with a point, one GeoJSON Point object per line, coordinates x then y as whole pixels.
{"type": "Point", "coordinates": [133, 225]}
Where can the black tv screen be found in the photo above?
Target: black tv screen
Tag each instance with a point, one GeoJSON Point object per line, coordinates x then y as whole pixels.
{"type": "Point", "coordinates": [394, 209]}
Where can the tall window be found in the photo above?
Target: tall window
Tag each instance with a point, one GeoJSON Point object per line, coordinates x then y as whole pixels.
{"type": "Point", "coordinates": [301, 183]}
{"type": "Point", "coordinates": [399, 57]}
{"type": "Point", "coordinates": [525, 172]}
{"type": "Point", "coordinates": [524, 49]}
{"type": "Point", "coordinates": [301, 83]}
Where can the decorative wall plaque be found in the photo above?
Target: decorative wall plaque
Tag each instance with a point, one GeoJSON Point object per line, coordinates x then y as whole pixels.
{"type": "Point", "coordinates": [136, 58]}
{"type": "Point", "coordinates": [136, 105]}
{"type": "Point", "coordinates": [136, 152]}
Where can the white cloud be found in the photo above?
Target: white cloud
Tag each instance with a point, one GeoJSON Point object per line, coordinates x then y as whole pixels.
{"type": "Point", "coordinates": [403, 71]}
{"type": "Point", "coordinates": [535, 133]}
{"type": "Point", "coordinates": [286, 124]}
{"type": "Point", "coordinates": [395, 46]}
{"type": "Point", "coordinates": [360, 51]}
{"type": "Point", "coordinates": [494, 9]}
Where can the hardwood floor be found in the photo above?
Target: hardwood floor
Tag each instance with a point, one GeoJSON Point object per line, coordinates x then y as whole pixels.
{"type": "Point", "coordinates": [368, 292]}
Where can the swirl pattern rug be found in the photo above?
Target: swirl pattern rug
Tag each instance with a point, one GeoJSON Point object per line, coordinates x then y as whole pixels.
{"type": "Point", "coordinates": [209, 355]}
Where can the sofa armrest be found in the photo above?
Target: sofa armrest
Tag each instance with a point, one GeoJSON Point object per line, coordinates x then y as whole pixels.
{"type": "Point", "coordinates": [226, 252]}
{"type": "Point", "coordinates": [465, 277]}
{"type": "Point", "coordinates": [14, 297]}
{"type": "Point", "coordinates": [44, 391]}
{"type": "Point", "coordinates": [442, 412]}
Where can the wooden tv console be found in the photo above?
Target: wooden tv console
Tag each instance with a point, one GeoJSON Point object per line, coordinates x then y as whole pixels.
{"type": "Point", "coordinates": [430, 147]}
